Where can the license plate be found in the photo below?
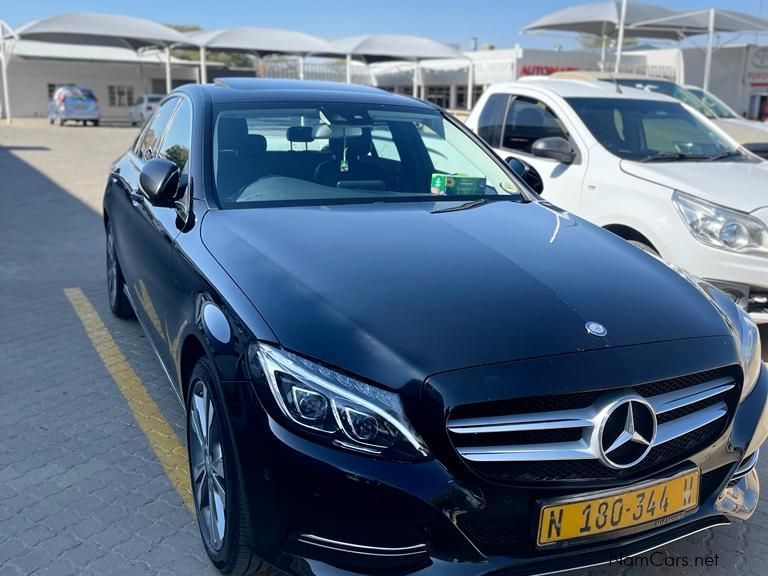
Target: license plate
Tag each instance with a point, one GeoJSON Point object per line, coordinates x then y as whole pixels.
{"type": "Point", "coordinates": [80, 106]}
{"type": "Point", "coordinates": [658, 502]}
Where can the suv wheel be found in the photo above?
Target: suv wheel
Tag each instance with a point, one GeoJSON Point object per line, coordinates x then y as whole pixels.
{"type": "Point", "coordinates": [215, 477]}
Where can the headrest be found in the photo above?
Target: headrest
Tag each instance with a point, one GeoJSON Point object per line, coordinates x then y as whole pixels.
{"type": "Point", "coordinates": [257, 144]}
{"type": "Point", "coordinates": [232, 133]}
{"type": "Point", "coordinates": [300, 134]}
{"type": "Point", "coordinates": [360, 146]}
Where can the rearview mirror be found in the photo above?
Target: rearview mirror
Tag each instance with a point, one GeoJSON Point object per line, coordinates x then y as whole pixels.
{"type": "Point", "coordinates": [526, 173]}
{"type": "Point", "coordinates": [159, 180]}
{"type": "Point", "coordinates": [554, 147]}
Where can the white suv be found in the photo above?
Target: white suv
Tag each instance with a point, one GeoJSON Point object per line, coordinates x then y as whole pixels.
{"type": "Point", "coordinates": [644, 166]}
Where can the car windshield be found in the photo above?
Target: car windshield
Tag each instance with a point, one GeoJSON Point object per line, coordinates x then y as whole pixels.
{"type": "Point", "coordinates": [271, 153]}
{"type": "Point", "coordinates": [718, 106]}
{"type": "Point", "coordinates": [651, 131]}
{"type": "Point", "coordinates": [669, 89]}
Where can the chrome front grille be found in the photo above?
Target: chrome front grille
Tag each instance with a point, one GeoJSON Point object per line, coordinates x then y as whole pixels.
{"type": "Point", "coordinates": [565, 443]}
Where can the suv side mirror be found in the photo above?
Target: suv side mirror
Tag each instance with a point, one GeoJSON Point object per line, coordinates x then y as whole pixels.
{"type": "Point", "coordinates": [159, 180]}
{"type": "Point", "coordinates": [555, 147]}
{"type": "Point", "coordinates": [526, 173]}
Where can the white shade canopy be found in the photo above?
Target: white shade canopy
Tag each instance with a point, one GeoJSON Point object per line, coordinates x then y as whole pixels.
{"type": "Point", "coordinates": [603, 19]}
{"type": "Point", "coordinates": [101, 30]}
{"type": "Point", "coordinates": [382, 47]}
{"type": "Point", "coordinates": [709, 21]}
{"type": "Point", "coordinates": [698, 22]}
{"type": "Point", "coordinates": [110, 30]}
{"type": "Point", "coordinates": [259, 40]}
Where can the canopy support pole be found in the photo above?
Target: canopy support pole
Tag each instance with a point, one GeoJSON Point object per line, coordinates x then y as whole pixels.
{"type": "Point", "coordinates": [415, 92]}
{"type": "Point", "coordinates": [620, 41]}
{"type": "Point", "coordinates": [470, 84]}
{"type": "Point", "coordinates": [203, 65]}
{"type": "Point", "coordinates": [710, 40]}
{"type": "Point", "coordinates": [349, 68]}
{"type": "Point", "coordinates": [4, 66]}
{"type": "Point", "coordinates": [168, 83]}
{"type": "Point", "coordinates": [602, 53]}
{"type": "Point", "coordinates": [301, 66]}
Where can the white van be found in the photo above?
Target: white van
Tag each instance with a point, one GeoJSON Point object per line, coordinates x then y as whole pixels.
{"type": "Point", "coordinates": [644, 166]}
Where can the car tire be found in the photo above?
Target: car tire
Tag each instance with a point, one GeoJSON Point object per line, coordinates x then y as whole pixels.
{"type": "Point", "coordinates": [96, 123]}
{"type": "Point", "coordinates": [61, 121]}
{"type": "Point", "coordinates": [215, 477]}
{"type": "Point", "coordinates": [118, 301]}
{"type": "Point", "coordinates": [644, 247]}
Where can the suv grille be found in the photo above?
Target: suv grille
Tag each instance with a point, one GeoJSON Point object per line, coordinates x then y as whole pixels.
{"type": "Point", "coordinates": [557, 437]}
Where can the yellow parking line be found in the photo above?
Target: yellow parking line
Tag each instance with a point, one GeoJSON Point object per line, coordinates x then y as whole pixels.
{"type": "Point", "coordinates": [163, 440]}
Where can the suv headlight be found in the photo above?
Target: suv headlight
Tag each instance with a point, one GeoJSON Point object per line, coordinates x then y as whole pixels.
{"type": "Point", "coordinates": [721, 227]}
{"type": "Point", "coordinates": [750, 351]}
{"type": "Point", "coordinates": [347, 412]}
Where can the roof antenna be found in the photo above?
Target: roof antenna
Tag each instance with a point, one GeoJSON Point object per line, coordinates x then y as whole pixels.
{"type": "Point", "coordinates": [615, 83]}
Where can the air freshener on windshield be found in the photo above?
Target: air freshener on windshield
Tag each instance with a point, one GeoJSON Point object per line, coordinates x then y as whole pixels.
{"type": "Point", "coordinates": [344, 166]}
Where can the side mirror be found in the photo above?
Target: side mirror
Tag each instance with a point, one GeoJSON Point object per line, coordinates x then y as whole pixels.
{"type": "Point", "coordinates": [526, 173]}
{"type": "Point", "coordinates": [555, 147]}
{"type": "Point", "coordinates": [159, 180]}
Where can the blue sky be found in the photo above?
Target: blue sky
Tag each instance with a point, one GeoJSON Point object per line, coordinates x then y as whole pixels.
{"type": "Point", "coordinates": [453, 21]}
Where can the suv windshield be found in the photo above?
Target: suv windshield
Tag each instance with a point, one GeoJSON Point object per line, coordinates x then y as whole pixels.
{"type": "Point", "coordinates": [314, 153]}
{"type": "Point", "coordinates": [648, 130]}
{"type": "Point", "coordinates": [718, 106]}
{"type": "Point", "coordinates": [669, 89]}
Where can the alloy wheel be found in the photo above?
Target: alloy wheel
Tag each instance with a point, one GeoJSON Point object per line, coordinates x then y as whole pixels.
{"type": "Point", "coordinates": [207, 465]}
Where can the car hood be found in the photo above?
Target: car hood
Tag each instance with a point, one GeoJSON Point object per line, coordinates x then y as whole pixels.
{"type": "Point", "coordinates": [393, 292]}
{"type": "Point", "coordinates": [742, 131]}
{"type": "Point", "coordinates": [738, 185]}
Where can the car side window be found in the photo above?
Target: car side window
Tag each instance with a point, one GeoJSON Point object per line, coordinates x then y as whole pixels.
{"type": "Point", "coordinates": [154, 132]}
{"type": "Point", "coordinates": [491, 121]}
{"type": "Point", "coordinates": [528, 120]}
{"type": "Point", "coordinates": [178, 137]}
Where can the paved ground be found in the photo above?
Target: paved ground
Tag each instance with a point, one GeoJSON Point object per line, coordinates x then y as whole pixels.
{"type": "Point", "coordinates": [82, 489]}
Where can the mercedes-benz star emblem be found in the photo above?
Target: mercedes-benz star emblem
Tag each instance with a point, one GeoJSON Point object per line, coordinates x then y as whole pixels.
{"type": "Point", "coordinates": [596, 329]}
{"type": "Point", "coordinates": [627, 433]}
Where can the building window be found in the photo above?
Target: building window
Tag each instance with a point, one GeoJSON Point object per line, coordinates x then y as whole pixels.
{"type": "Point", "coordinates": [120, 96]}
{"type": "Point", "coordinates": [440, 95]}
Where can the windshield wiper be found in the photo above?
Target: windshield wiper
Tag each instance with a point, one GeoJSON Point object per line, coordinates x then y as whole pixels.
{"type": "Point", "coordinates": [465, 206]}
{"type": "Point", "coordinates": [724, 155]}
{"type": "Point", "coordinates": [666, 156]}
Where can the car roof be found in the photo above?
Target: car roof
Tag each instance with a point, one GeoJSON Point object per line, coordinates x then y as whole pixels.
{"type": "Point", "coordinates": [575, 88]}
{"type": "Point", "coordinates": [276, 90]}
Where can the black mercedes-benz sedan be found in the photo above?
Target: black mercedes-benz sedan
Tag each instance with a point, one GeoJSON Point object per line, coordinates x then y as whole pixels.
{"type": "Point", "coordinates": [395, 358]}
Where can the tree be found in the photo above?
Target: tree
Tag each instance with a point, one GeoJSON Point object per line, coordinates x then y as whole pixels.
{"type": "Point", "coordinates": [590, 42]}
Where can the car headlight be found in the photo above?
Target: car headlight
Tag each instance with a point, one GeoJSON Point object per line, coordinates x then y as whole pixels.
{"type": "Point", "coordinates": [721, 227]}
{"type": "Point", "coordinates": [750, 351]}
{"type": "Point", "coordinates": [347, 412]}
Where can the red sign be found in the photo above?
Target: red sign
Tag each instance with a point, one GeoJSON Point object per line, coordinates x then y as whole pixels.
{"type": "Point", "coordinates": [543, 69]}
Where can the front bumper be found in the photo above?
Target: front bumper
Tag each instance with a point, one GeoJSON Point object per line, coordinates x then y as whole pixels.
{"type": "Point", "coordinates": [315, 510]}
{"type": "Point", "coordinates": [742, 276]}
